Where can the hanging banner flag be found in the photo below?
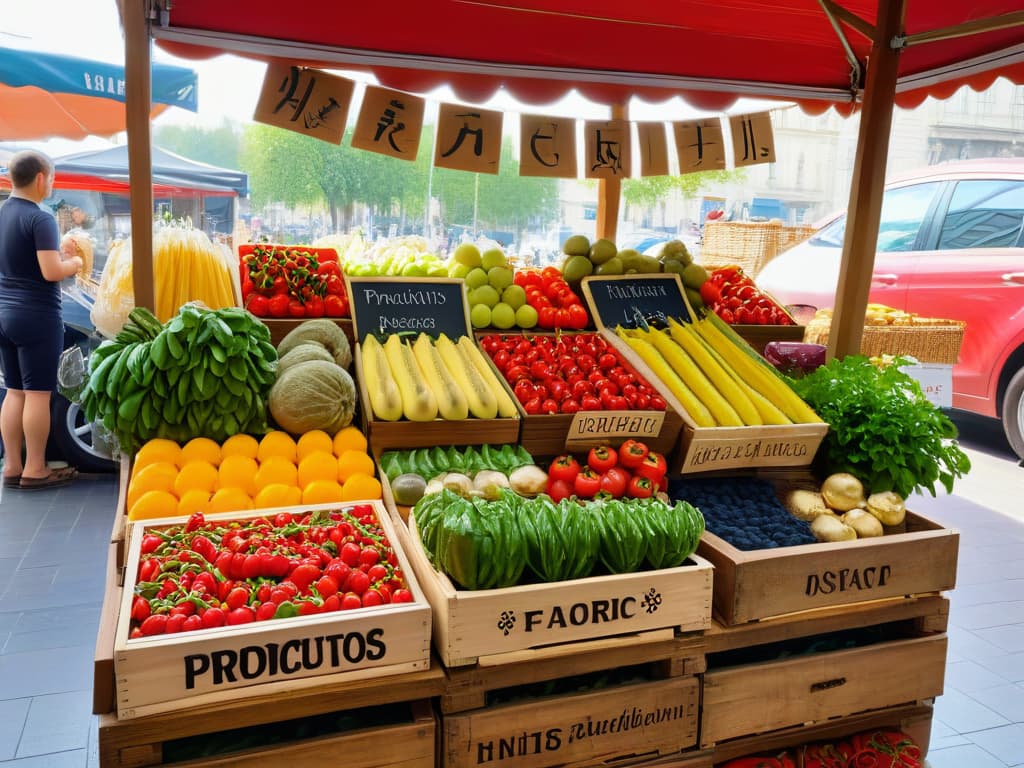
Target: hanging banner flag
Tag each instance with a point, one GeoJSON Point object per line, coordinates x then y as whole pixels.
{"type": "Point", "coordinates": [468, 139]}
{"type": "Point", "coordinates": [607, 149]}
{"type": "Point", "coordinates": [547, 146]}
{"type": "Point", "coordinates": [752, 139]}
{"type": "Point", "coordinates": [700, 145]}
{"type": "Point", "coordinates": [306, 101]}
{"type": "Point", "coordinates": [653, 149]}
{"type": "Point", "coordinates": [390, 123]}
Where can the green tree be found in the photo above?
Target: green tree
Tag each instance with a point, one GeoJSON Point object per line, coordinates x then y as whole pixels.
{"type": "Point", "coordinates": [649, 190]}
{"type": "Point", "coordinates": [218, 146]}
{"type": "Point", "coordinates": [282, 166]}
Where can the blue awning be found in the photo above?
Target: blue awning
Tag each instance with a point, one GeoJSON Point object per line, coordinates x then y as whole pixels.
{"type": "Point", "coordinates": [174, 86]}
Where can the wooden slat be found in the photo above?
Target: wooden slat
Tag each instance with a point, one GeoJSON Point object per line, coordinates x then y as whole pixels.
{"type": "Point", "coordinates": [103, 686]}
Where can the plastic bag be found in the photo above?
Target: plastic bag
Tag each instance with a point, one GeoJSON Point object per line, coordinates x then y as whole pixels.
{"type": "Point", "coordinates": [115, 297]}
{"type": "Point", "coordinates": [71, 373]}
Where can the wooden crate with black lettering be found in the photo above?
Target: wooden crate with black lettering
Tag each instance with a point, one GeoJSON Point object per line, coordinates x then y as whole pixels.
{"type": "Point", "coordinates": [821, 666]}
{"type": "Point", "coordinates": [620, 724]}
{"type": "Point", "coordinates": [491, 626]}
{"type": "Point", "coordinates": [918, 558]}
{"type": "Point", "coordinates": [210, 666]}
{"type": "Point", "coordinates": [379, 725]}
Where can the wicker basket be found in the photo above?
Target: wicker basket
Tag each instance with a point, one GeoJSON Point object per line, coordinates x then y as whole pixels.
{"type": "Point", "coordinates": [750, 244]}
{"type": "Point", "coordinates": [925, 343]}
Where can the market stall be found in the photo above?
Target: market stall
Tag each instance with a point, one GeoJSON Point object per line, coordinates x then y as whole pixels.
{"type": "Point", "coordinates": [623, 583]}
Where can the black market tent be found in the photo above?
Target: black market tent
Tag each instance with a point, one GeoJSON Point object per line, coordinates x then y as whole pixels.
{"type": "Point", "coordinates": [169, 169]}
{"type": "Point", "coordinates": [867, 53]}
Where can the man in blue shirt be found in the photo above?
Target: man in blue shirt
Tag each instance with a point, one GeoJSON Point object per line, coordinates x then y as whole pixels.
{"type": "Point", "coordinates": [31, 327]}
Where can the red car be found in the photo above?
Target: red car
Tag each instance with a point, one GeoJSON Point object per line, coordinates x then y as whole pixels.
{"type": "Point", "coordinates": [950, 244]}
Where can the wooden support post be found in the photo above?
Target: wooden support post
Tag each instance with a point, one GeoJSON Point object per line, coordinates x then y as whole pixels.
{"type": "Point", "coordinates": [138, 98]}
{"type": "Point", "coordinates": [609, 192]}
{"type": "Point", "coordinates": [866, 189]}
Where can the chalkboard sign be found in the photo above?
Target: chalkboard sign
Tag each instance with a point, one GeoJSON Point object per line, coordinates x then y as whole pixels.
{"type": "Point", "coordinates": [386, 305]}
{"type": "Point", "coordinates": [632, 300]}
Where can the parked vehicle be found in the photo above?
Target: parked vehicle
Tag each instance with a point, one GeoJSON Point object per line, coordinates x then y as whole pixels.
{"type": "Point", "coordinates": [950, 244]}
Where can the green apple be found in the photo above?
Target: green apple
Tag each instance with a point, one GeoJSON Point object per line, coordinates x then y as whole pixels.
{"type": "Point", "coordinates": [611, 267]}
{"type": "Point", "coordinates": [493, 257]}
{"type": "Point", "coordinates": [694, 276]}
{"type": "Point", "coordinates": [480, 316]}
{"type": "Point", "coordinates": [526, 316]}
{"type": "Point", "coordinates": [503, 316]}
{"type": "Point", "coordinates": [414, 269]}
{"type": "Point", "coordinates": [514, 296]}
{"type": "Point", "coordinates": [577, 245]}
{"type": "Point", "coordinates": [484, 294]}
{"type": "Point", "coordinates": [467, 254]}
{"type": "Point", "coordinates": [575, 268]}
{"type": "Point", "coordinates": [475, 278]}
{"type": "Point", "coordinates": [458, 269]}
{"type": "Point", "coordinates": [499, 277]}
{"type": "Point", "coordinates": [602, 250]}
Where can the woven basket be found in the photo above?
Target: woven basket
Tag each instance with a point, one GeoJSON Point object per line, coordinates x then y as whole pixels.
{"type": "Point", "coordinates": [750, 244]}
{"type": "Point", "coordinates": [925, 343]}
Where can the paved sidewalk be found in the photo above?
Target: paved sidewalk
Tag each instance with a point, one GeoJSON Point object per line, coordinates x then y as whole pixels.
{"type": "Point", "coordinates": [53, 549]}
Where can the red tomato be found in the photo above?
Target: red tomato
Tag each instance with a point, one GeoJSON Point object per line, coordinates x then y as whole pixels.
{"type": "Point", "coordinates": [602, 458]}
{"type": "Point", "coordinates": [278, 306]}
{"type": "Point", "coordinates": [653, 467]}
{"type": "Point", "coordinates": [569, 405]}
{"type": "Point", "coordinates": [632, 453]}
{"type": "Point", "coordinates": [559, 489]}
{"type": "Point", "coordinates": [296, 308]}
{"type": "Point", "coordinates": [351, 601]}
{"type": "Point", "coordinates": [614, 481]}
{"type": "Point", "coordinates": [590, 403]}
{"type": "Point", "coordinates": [563, 467]}
{"type": "Point", "coordinates": [587, 483]}
{"type": "Point", "coordinates": [640, 487]}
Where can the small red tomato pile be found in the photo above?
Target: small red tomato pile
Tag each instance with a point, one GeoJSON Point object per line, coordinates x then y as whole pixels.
{"type": "Point", "coordinates": [202, 575]}
{"type": "Point", "coordinates": [734, 297]}
{"type": "Point", "coordinates": [293, 282]}
{"type": "Point", "coordinates": [569, 373]}
{"type": "Point", "coordinates": [632, 471]}
{"type": "Point", "coordinates": [556, 303]}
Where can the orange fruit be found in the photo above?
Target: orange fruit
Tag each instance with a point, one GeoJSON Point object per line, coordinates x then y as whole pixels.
{"type": "Point", "coordinates": [360, 487]}
{"type": "Point", "coordinates": [153, 504]}
{"type": "Point", "coordinates": [313, 441]}
{"type": "Point", "coordinates": [159, 476]}
{"type": "Point", "coordinates": [322, 492]}
{"type": "Point", "coordinates": [238, 472]}
{"type": "Point", "coordinates": [229, 500]}
{"type": "Point", "coordinates": [200, 449]}
{"type": "Point", "coordinates": [240, 445]}
{"type": "Point", "coordinates": [156, 450]}
{"type": "Point", "coordinates": [276, 470]}
{"type": "Point", "coordinates": [353, 462]}
{"type": "Point", "coordinates": [278, 495]}
{"type": "Point", "coordinates": [318, 465]}
{"type": "Point", "coordinates": [196, 500]}
{"type": "Point", "coordinates": [349, 439]}
{"type": "Point", "coordinates": [277, 443]}
{"type": "Point", "coordinates": [195, 475]}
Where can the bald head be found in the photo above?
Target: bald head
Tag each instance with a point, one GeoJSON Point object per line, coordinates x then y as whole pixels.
{"type": "Point", "coordinates": [26, 165]}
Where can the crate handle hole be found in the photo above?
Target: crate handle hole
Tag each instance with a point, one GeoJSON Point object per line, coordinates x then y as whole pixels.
{"type": "Point", "coordinates": [827, 684]}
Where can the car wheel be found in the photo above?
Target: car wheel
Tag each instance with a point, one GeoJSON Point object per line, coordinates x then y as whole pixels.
{"type": "Point", "coordinates": [72, 436]}
{"type": "Point", "coordinates": [1013, 413]}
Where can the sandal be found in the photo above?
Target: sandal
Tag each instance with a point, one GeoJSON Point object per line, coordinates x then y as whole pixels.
{"type": "Point", "coordinates": [12, 481]}
{"type": "Point", "coordinates": [56, 479]}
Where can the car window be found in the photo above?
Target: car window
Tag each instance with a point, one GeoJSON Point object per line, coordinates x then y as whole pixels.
{"type": "Point", "coordinates": [984, 214]}
{"type": "Point", "coordinates": [903, 211]}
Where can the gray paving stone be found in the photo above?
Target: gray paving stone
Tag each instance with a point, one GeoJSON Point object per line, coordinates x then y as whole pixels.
{"type": "Point", "coordinates": [963, 756]}
{"type": "Point", "coordinates": [969, 676]}
{"type": "Point", "coordinates": [76, 758]}
{"type": "Point", "coordinates": [13, 713]}
{"type": "Point", "coordinates": [1010, 666]}
{"type": "Point", "coordinates": [1010, 638]}
{"type": "Point", "coordinates": [964, 714]}
{"type": "Point", "coordinates": [942, 736]}
{"type": "Point", "coordinates": [1007, 700]}
{"type": "Point", "coordinates": [999, 591]}
{"type": "Point", "coordinates": [979, 617]}
{"type": "Point", "coordinates": [1006, 743]}
{"type": "Point", "coordinates": [57, 723]}
{"type": "Point", "coordinates": [36, 673]}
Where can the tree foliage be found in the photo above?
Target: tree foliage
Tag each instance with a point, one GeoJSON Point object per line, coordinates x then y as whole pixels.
{"type": "Point", "coordinates": [650, 190]}
{"type": "Point", "coordinates": [217, 146]}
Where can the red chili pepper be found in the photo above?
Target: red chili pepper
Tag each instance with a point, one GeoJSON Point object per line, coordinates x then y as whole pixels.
{"type": "Point", "coordinates": [140, 609]}
{"type": "Point", "coordinates": [150, 542]}
{"type": "Point", "coordinates": [195, 522]}
{"type": "Point", "coordinates": [204, 547]}
{"type": "Point", "coordinates": [154, 625]}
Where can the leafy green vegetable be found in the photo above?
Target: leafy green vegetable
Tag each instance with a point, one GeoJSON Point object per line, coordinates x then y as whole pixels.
{"type": "Point", "coordinates": [430, 462]}
{"type": "Point", "coordinates": [883, 429]}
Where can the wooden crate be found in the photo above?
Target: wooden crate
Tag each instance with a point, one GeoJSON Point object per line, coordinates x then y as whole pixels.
{"type": "Point", "coordinates": [915, 720]}
{"type": "Point", "coordinates": [758, 336]}
{"type": "Point", "coordinates": [488, 625]}
{"type": "Point", "coordinates": [383, 435]}
{"type": "Point", "coordinates": [119, 531]}
{"type": "Point", "coordinates": [142, 741]}
{"type": "Point", "coordinates": [103, 685]}
{"type": "Point", "coordinates": [710, 449]}
{"type": "Point", "coordinates": [553, 434]}
{"type": "Point", "coordinates": [155, 674]}
{"type": "Point", "coordinates": [770, 582]}
{"type": "Point", "coordinates": [896, 667]}
{"type": "Point", "coordinates": [634, 721]}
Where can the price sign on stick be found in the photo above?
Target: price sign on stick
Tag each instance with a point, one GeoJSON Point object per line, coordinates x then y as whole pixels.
{"type": "Point", "coordinates": [382, 305]}
{"type": "Point", "coordinates": [306, 101]}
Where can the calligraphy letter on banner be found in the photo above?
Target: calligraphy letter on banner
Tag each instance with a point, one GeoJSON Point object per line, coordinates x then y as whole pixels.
{"type": "Point", "coordinates": [607, 149]}
{"type": "Point", "coordinates": [306, 101]}
{"type": "Point", "coordinates": [653, 149]}
{"type": "Point", "coordinates": [389, 122]}
{"type": "Point", "coordinates": [547, 146]}
{"type": "Point", "coordinates": [752, 139]}
{"type": "Point", "coordinates": [468, 139]}
{"type": "Point", "coordinates": [700, 145]}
